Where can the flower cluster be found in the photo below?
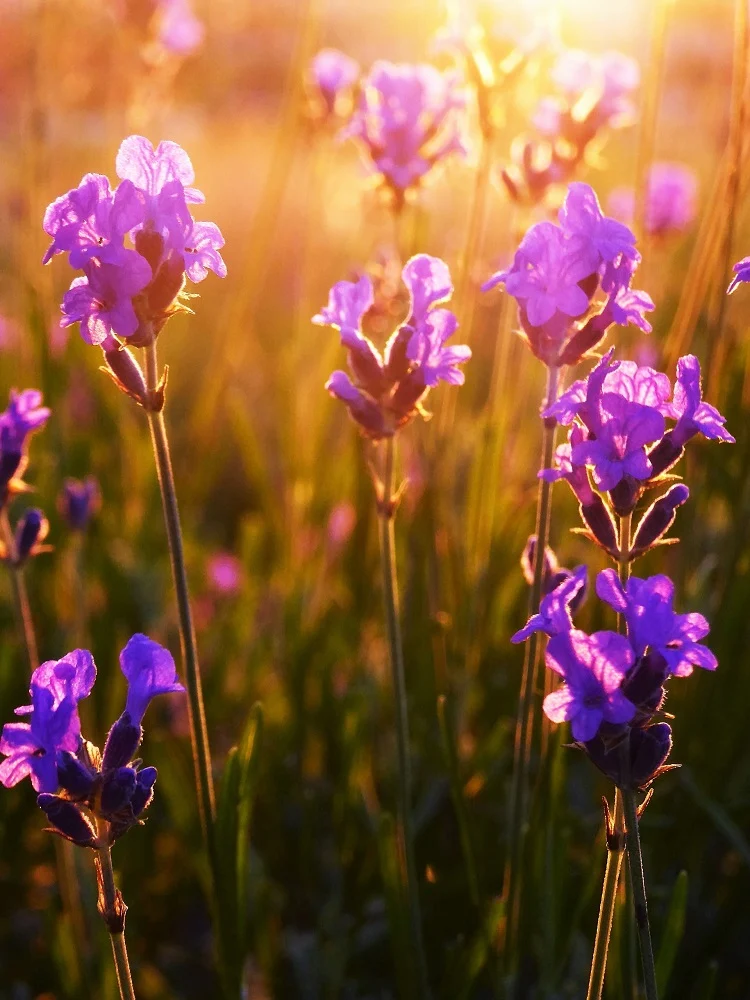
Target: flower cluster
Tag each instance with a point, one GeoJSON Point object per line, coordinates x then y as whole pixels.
{"type": "Point", "coordinates": [126, 295]}
{"type": "Point", "coordinates": [86, 794]}
{"type": "Point", "coordinates": [614, 685]}
{"type": "Point", "coordinates": [618, 435]}
{"type": "Point", "coordinates": [330, 84]}
{"type": "Point", "coordinates": [23, 416]}
{"type": "Point", "coordinates": [387, 390]}
{"type": "Point", "coordinates": [557, 272]}
{"type": "Point", "coordinates": [671, 200]}
{"type": "Point", "coordinates": [407, 119]}
{"type": "Point", "coordinates": [594, 94]}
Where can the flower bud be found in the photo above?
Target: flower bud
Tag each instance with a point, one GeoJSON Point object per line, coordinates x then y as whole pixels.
{"type": "Point", "coordinates": [123, 740]}
{"type": "Point", "coordinates": [127, 373]}
{"type": "Point", "coordinates": [78, 500]}
{"type": "Point", "coordinates": [658, 519]}
{"type": "Point", "coordinates": [144, 790]}
{"type": "Point", "coordinates": [666, 454]}
{"type": "Point", "coordinates": [73, 775]}
{"type": "Point", "coordinates": [67, 820]}
{"type": "Point", "coordinates": [117, 790]}
{"type": "Point", "coordinates": [31, 531]}
{"type": "Point", "coordinates": [596, 515]}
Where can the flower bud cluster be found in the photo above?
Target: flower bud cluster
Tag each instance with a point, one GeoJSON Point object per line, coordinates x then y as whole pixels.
{"type": "Point", "coordinates": [385, 391]}
{"type": "Point", "coordinates": [23, 416]}
{"type": "Point", "coordinates": [557, 272]}
{"type": "Point", "coordinates": [90, 797]}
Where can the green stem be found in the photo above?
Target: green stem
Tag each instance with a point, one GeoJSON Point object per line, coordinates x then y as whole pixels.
{"type": "Point", "coordinates": [607, 905]}
{"type": "Point", "coordinates": [518, 816]}
{"type": "Point", "coordinates": [196, 712]}
{"type": "Point", "coordinates": [112, 909]}
{"type": "Point", "coordinates": [633, 840]}
{"type": "Point", "coordinates": [390, 589]}
{"type": "Point", "coordinates": [21, 596]}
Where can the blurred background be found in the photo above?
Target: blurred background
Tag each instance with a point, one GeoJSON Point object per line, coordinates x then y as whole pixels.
{"type": "Point", "coordinates": [278, 511]}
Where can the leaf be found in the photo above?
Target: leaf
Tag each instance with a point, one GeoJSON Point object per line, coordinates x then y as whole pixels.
{"type": "Point", "coordinates": [673, 932]}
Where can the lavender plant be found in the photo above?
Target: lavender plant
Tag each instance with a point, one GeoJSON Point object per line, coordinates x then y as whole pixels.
{"type": "Point", "coordinates": [90, 797]}
{"type": "Point", "coordinates": [615, 682]}
{"type": "Point", "coordinates": [383, 394]}
{"type": "Point", "coordinates": [572, 283]}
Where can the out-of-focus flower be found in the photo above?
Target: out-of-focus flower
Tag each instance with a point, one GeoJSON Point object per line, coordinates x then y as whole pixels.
{"type": "Point", "coordinates": [78, 500]}
{"type": "Point", "coordinates": [24, 415]}
{"type": "Point", "coordinates": [671, 199]}
{"type": "Point", "coordinates": [341, 523]}
{"type": "Point", "coordinates": [225, 573]}
{"type": "Point", "coordinates": [31, 530]}
{"type": "Point", "coordinates": [388, 390]}
{"type": "Point", "coordinates": [128, 294]}
{"type": "Point", "coordinates": [178, 30]}
{"type": "Point", "coordinates": [407, 120]}
{"type": "Point", "coordinates": [330, 82]}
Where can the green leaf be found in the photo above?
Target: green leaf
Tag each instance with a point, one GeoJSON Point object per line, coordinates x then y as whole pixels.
{"type": "Point", "coordinates": [673, 932]}
{"type": "Point", "coordinates": [248, 759]}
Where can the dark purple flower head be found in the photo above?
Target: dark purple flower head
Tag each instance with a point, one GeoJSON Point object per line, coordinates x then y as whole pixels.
{"type": "Point", "coordinates": [693, 416]}
{"type": "Point", "coordinates": [149, 670]}
{"type": "Point", "coordinates": [385, 390]}
{"type": "Point", "coordinates": [31, 530]}
{"type": "Point", "coordinates": [78, 500]}
{"type": "Point", "coordinates": [407, 120]}
{"type": "Point", "coordinates": [593, 667]}
{"type": "Point", "coordinates": [653, 625]}
{"type": "Point", "coordinates": [333, 75]}
{"type": "Point", "coordinates": [555, 610]}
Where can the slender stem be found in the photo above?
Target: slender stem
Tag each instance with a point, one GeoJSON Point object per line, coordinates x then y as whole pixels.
{"type": "Point", "coordinates": [466, 301]}
{"type": "Point", "coordinates": [607, 905]}
{"type": "Point", "coordinates": [196, 712]}
{"type": "Point", "coordinates": [112, 909]}
{"type": "Point", "coordinates": [392, 614]}
{"type": "Point", "coordinates": [635, 858]}
{"type": "Point", "coordinates": [518, 818]}
{"type": "Point", "coordinates": [21, 596]}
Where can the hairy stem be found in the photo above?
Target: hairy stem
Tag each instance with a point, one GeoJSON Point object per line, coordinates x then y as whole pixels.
{"type": "Point", "coordinates": [518, 816]}
{"type": "Point", "coordinates": [196, 712]}
{"type": "Point", "coordinates": [406, 828]}
{"type": "Point", "coordinates": [112, 909]}
{"type": "Point", "coordinates": [607, 905]}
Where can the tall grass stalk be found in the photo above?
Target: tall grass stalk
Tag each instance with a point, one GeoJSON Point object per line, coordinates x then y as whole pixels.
{"type": "Point", "coordinates": [196, 711]}
{"type": "Point", "coordinates": [386, 512]}
{"type": "Point", "coordinates": [20, 594]}
{"type": "Point", "coordinates": [523, 747]}
{"type": "Point", "coordinates": [615, 854]}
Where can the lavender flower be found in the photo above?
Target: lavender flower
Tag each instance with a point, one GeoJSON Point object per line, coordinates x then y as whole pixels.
{"type": "Point", "coordinates": [653, 625]}
{"type": "Point", "coordinates": [671, 199]}
{"type": "Point", "coordinates": [128, 294]}
{"type": "Point", "coordinates": [77, 783]}
{"type": "Point", "coordinates": [593, 667]}
{"type": "Point", "coordinates": [693, 416]}
{"type": "Point", "coordinates": [407, 120]}
{"type": "Point", "coordinates": [179, 30]}
{"type": "Point", "coordinates": [331, 79]}
{"type": "Point", "coordinates": [78, 500]}
{"type": "Point", "coordinates": [554, 614]}
{"type": "Point", "coordinates": [557, 271]}
{"type": "Point", "coordinates": [388, 389]}
{"type": "Point", "coordinates": [24, 415]}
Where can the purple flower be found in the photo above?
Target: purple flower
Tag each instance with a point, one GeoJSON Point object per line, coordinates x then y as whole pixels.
{"type": "Point", "coordinates": [78, 500]}
{"type": "Point", "coordinates": [24, 415]}
{"type": "Point", "coordinates": [200, 251]}
{"type": "Point", "coordinates": [407, 120]}
{"type": "Point", "coordinates": [149, 670]}
{"type": "Point", "coordinates": [333, 74]}
{"type": "Point", "coordinates": [554, 612]}
{"type": "Point", "coordinates": [546, 272]}
{"type": "Point", "coordinates": [91, 220]}
{"type": "Point", "coordinates": [154, 170]}
{"type": "Point", "coordinates": [31, 748]}
{"type": "Point", "coordinates": [741, 273]}
{"type": "Point", "coordinates": [386, 389]}
{"type": "Point", "coordinates": [179, 30]}
{"type": "Point", "coordinates": [628, 307]}
{"type": "Point", "coordinates": [576, 475]}
{"type": "Point", "coordinates": [102, 300]}
{"type": "Point", "coordinates": [581, 215]}
{"type": "Point", "coordinates": [671, 196]}
{"type": "Point", "coordinates": [580, 399]}
{"type": "Point", "coordinates": [623, 430]}
{"type": "Point", "coordinates": [693, 416]}
{"type": "Point", "coordinates": [653, 625]}
{"type": "Point", "coordinates": [593, 667]}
